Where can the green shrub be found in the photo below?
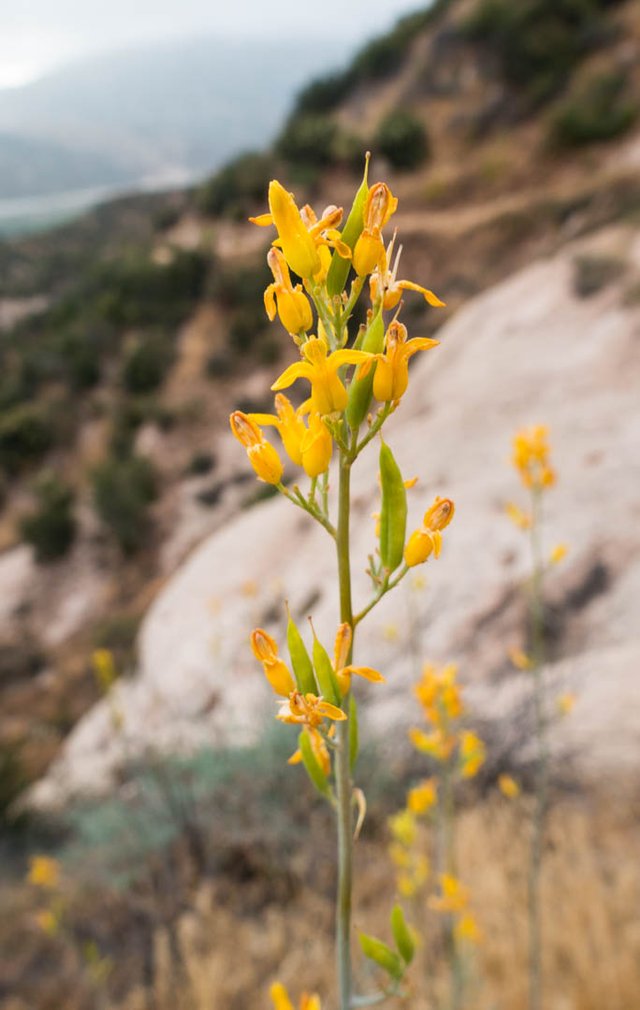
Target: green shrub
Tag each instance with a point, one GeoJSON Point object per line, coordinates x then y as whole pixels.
{"type": "Point", "coordinates": [325, 93]}
{"type": "Point", "coordinates": [308, 140]}
{"type": "Point", "coordinates": [81, 359]}
{"type": "Point", "coordinates": [402, 138]}
{"type": "Point", "coordinates": [538, 43]}
{"type": "Point", "coordinates": [135, 291]}
{"type": "Point", "coordinates": [146, 364]}
{"type": "Point", "coordinates": [25, 436]}
{"type": "Point", "coordinates": [238, 187]}
{"type": "Point", "coordinates": [123, 490]}
{"type": "Point", "coordinates": [598, 111]}
{"type": "Point", "coordinates": [51, 528]}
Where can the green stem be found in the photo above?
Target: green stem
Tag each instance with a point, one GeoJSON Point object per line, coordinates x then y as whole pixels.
{"type": "Point", "coordinates": [385, 586]}
{"type": "Point", "coordinates": [310, 508]}
{"type": "Point", "coordinates": [343, 769]}
{"type": "Point", "coordinates": [542, 770]}
{"type": "Point", "coordinates": [375, 427]}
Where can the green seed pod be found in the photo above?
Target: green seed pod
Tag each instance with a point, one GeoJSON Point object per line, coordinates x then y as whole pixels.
{"type": "Point", "coordinates": [383, 956]}
{"type": "Point", "coordinates": [339, 267]}
{"type": "Point", "coordinates": [354, 735]}
{"type": "Point", "coordinates": [325, 674]}
{"type": "Point", "coordinates": [402, 935]}
{"type": "Point", "coordinates": [361, 390]}
{"type": "Point", "coordinates": [300, 661]}
{"type": "Point", "coordinates": [313, 769]}
{"type": "Point", "coordinates": [393, 513]}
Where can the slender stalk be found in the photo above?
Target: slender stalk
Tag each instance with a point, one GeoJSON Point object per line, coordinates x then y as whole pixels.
{"type": "Point", "coordinates": [542, 770]}
{"type": "Point", "coordinates": [343, 769]}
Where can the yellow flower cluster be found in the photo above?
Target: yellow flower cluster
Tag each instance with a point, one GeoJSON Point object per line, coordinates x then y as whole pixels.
{"type": "Point", "coordinates": [412, 865]}
{"type": "Point", "coordinates": [453, 900]}
{"type": "Point", "coordinates": [531, 457]}
{"type": "Point", "coordinates": [440, 698]}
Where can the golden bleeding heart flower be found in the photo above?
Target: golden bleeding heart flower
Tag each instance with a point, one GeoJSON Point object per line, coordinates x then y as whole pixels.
{"type": "Point", "coordinates": [328, 393]}
{"type": "Point", "coordinates": [263, 457]}
{"type": "Point", "coordinates": [384, 286]}
{"type": "Point", "coordinates": [369, 252]}
{"type": "Point", "coordinates": [428, 539]}
{"type": "Point", "coordinates": [344, 671]}
{"type": "Point", "coordinates": [308, 710]}
{"type": "Point", "coordinates": [291, 303]}
{"type": "Point", "coordinates": [392, 372]}
{"type": "Point", "coordinates": [265, 649]}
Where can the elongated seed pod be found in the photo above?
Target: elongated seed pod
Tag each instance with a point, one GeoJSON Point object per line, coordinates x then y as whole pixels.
{"type": "Point", "coordinates": [339, 267]}
{"type": "Point", "coordinates": [300, 660]}
{"type": "Point", "coordinates": [325, 674]}
{"type": "Point", "coordinates": [361, 389]}
{"type": "Point", "coordinates": [310, 762]}
{"type": "Point", "coordinates": [393, 513]}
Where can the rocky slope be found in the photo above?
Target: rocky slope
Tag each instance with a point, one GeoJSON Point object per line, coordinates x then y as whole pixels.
{"type": "Point", "coordinates": [533, 349]}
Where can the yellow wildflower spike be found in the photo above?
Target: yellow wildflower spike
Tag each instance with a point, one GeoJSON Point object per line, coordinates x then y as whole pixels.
{"type": "Point", "coordinates": [316, 447]}
{"type": "Point", "coordinates": [291, 303]}
{"type": "Point", "coordinates": [508, 787]}
{"type": "Point", "coordinates": [263, 457]}
{"type": "Point", "coordinates": [531, 457]}
{"type": "Point", "coordinates": [297, 244]}
{"type": "Point", "coordinates": [265, 649]}
{"type": "Point", "coordinates": [519, 658]}
{"type": "Point", "coordinates": [44, 872]}
{"type": "Point", "coordinates": [558, 554]}
{"type": "Point", "coordinates": [328, 394]}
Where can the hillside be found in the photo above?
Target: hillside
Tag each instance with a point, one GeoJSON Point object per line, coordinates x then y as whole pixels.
{"type": "Point", "coordinates": [124, 381]}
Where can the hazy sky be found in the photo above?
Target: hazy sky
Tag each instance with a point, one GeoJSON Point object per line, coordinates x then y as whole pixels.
{"type": "Point", "coordinates": [36, 35]}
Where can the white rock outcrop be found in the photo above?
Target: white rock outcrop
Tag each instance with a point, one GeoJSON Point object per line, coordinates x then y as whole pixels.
{"type": "Point", "coordinates": [528, 351]}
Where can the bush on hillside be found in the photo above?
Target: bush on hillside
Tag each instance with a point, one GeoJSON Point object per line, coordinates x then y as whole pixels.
{"type": "Point", "coordinates": [599, 111]}
{"type": "Point", "coordinates": [308, 140]}
{"type": "Point", "coordinates": [135, 291]}
{"type": "Point", "coordinates": [51, 527]}
{"type": "Point", "coordinates": [235, 190]}
{"type": "Point", "coordinates": [402, 138]}
{"type": "Point", "coordinates": [123, 490]}
{"type": "Point", "coordinates": [146, 364]}
{"type": "Point", "coordinates": [25, 436]}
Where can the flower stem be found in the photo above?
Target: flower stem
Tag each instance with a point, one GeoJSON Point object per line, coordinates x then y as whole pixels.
{"type": "Point", "coordinates": [542, 770]}
{"type": "Point", "coordinates": [343, 769]}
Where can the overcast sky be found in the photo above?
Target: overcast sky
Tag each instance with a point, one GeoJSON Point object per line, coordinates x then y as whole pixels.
{"type": "Point", "coordinates": [36, 35]}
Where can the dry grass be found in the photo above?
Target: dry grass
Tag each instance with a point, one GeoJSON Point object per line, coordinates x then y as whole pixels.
{"type": "Point", "coordinates": [218, 957]}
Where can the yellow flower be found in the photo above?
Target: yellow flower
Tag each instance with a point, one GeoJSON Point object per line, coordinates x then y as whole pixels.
{"type": "Point", "coordinates": [383, 284]}
{"type": "Point", "coordinates": [423, 797]}
{"type": "Point", "coordinates": [521, 519]}
{"type": "Point", "coordinates": [281, 1001]}
{"type": "Point", "coordinates": [403, 827]}
{"type": "Point", "coordinates": [328, 393]}
{"type": "Point", "coordinates": [289, 424]}
{"type": "Point", "coordinates": [519, 658]}
{"type": "Point", "coordinates": [558, 553]}
{"type": "Point", "coordinates": [439, 694]}
{"type": "Point", "coordinates": [342, 671]}
{"type": "Point", "coordinates": [466, 928]}
{"type": "Point", "coordinates": [291, 304]}
{"type": "Point", "coordinates": [104, 668]}
{"type": "Point", "coordinates": [565, 703]}
{"type": "Point", "coordinates": [308, 710]}
{"type": "Point", "coordinates": [47, 921]}
{"type": "Point", "coordinates": [263, 457]}
{"type": "Point", "coordinates": [428, 539]}
{"type": "Point", "coordinates": [392, 372]}
{"type": "Point", "coordinates": [508, 787]}
{"type": "Point", "coordinates": [44, 872]}
{"type": "Point", "coordinates": [316, 447]}
{"type": "Point", "coordinates": [438, 745]}
{"type": "Point", "coordinates": [472, 754]}
{"type": "Point", "coordinates": [301, 236]}
{"type": "Point", "coordinates": [265, 649]}
{"type": "Point", "coordinates": [369, 251]}
{"type": "Point", "coordinates": [531, 457]}
{"type": "Point", "coordinates": [454, 896]}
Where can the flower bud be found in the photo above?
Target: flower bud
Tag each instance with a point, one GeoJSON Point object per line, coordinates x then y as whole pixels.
{"type": "Point", "coordinates": [316, 447]}
{"type": "Point", "coordinates": [419, 547]}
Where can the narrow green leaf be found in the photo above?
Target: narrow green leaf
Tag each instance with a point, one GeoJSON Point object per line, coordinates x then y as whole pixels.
{"type": "Point", "coordinates": [383, 956]}
{"type": "Point", "coordinates": [402, 935]}
{"type": "Point", "coordinates": [325, 674]}
{"type": "Point", "coordinates": [300, 660]}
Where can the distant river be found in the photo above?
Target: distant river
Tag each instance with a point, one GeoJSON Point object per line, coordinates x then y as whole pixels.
{"type": "Point", "coordinates": [26, 214]}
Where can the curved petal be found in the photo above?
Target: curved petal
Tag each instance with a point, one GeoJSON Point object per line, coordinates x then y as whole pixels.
{"type": "Point", "coordinates": [299, 370]}
{"type": "Point", "coordinates": [418, 344]}
{"type": "Point", "coordinates": [367, 672]}
{"type": "Point", "coordinates": [428, 296]}
{"type": "Point", "coordinates": [348, 357]}
{"type": "Point", "coordinates": [262, 220]}
{"type": "Point", "coordinates": [266, 419]}
{"type": "Point", "coordinates": [330, 711]}
{"type": "Point", "coordinates": [270, 302]}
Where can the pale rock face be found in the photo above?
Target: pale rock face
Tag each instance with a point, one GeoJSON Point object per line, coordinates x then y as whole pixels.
{"type": "Point", "coordinates": [527, 351]}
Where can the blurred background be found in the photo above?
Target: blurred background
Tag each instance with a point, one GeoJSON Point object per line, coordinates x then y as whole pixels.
{"type": "Point", "coordinates": [137, 751]}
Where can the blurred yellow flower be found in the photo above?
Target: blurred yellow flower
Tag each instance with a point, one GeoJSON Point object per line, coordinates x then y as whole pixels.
{"type": "Point", "coordinates": [521, 519]}
{"type": "Point", "coordinates": [44, 872]}
{"type": "Point", "coordinates": [472, 754]}
{"type": "Point", "coordinates": [454, 896]}
{"type": "Point", "coordinates": [423, 797]}
{"type": "Point", "coordinates": [508, 787]}
{"type": "Point", "coordinates": [566, 702]}
{"type": "Point", "coordinates": [466, 928]}
{"type": "Point", "coordinates": [531, 457]}
{"type": "Point", "coordinates": [519, 658]}
{"type": "Point", "coordinates": [558, 554]}
{"type": "Point", "coordinates": [281, 1001]}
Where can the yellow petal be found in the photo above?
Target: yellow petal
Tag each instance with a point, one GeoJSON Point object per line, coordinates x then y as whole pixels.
{"type": "Point", "coordinates": [299, 370]}
{"type": "Point", "coordinates": [330, 711]}
{"type": "Point", "coordinates": [367, 672]}
{"type": "Point", "coordinates": [428, 296]}
{"type": "Point", "coordinates": [262, 220]}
